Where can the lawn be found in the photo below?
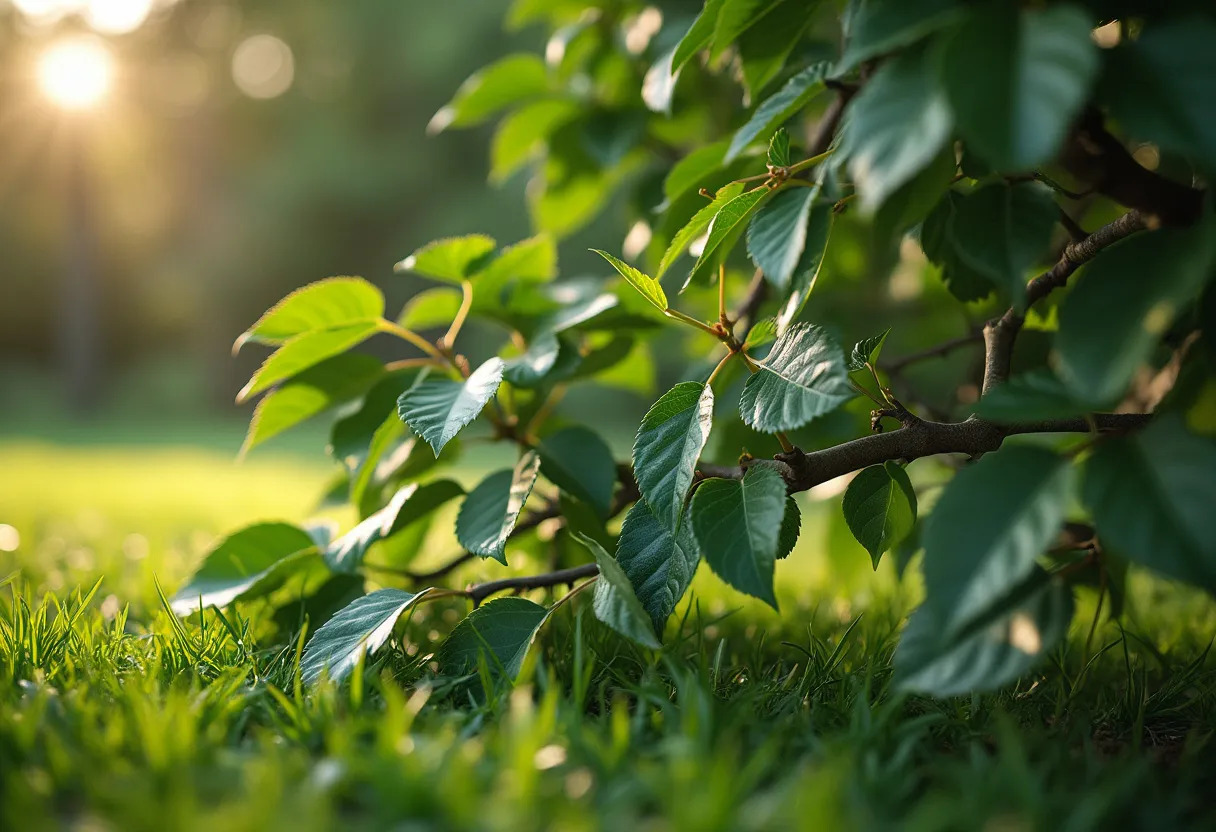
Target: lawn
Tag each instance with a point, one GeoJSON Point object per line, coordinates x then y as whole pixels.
{"type": "Point", "coordinates": [114, 716]}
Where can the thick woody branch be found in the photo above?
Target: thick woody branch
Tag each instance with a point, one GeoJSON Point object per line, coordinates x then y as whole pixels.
{"type": "Point", "coordinates": [1093, 155]}
{"type": "Point", "coordinates": [1000, 334]}
{"type": "Point", "coordinates": [920, 438]}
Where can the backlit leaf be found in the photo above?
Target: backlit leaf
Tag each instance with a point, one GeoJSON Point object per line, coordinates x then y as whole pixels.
{"type": "Point", "coordinates": [489, 513]}
{"type": "Point", "coordinates": [668, 444]}
{"type": "Point", "coordinates": [437, 408]}
{"type": "Point", "coordinates": [362, 627]}
{"type": "Point", "coordinates": [880, 508]}
{"type": "Point", "coordinates": [737, 524]}
{"type": "Point", "coordinates": [802, 377]}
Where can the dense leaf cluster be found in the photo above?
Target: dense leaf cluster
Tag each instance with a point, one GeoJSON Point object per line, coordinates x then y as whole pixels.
{"type": "Point", "coordinates": [981, 134]}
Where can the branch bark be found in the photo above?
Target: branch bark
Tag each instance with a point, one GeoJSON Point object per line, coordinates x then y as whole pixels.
{"type": "Point", "coordinates": [1093, 155]}
{"type": "Point", "coordinates": [1000, 334]}
{"type": "Point", "coordinates": [480, 592]}
{"type": "Point", "coordinates": [923, 438]}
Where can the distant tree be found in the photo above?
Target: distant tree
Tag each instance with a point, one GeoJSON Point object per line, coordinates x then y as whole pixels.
{"type": "Point", "coordinates": [1045, 161]}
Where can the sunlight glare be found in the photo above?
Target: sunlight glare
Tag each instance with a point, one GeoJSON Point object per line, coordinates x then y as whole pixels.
{"type": "Point", "coordinates": [75, 73]}
{"type": "Point", "coordinates": [117, 17]}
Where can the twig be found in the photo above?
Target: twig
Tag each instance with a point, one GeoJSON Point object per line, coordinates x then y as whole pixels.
{"type": "Point", "coordinates": [479, 592]}
{"type": "Point", "coordinates": [1000, 334]}
{"type": "Point", "coordinates": [939, 351]}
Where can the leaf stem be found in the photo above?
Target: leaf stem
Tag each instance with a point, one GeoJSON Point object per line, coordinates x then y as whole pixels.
{"type": "Point", "coordinates": [410, 363]}
{"type": "Point", "coordinates": [811, 162]}
{"type": "Point", "coordinates": [729, 355]}
{"type": "Point", "coordinates": [412, 337]}
{"type": "Point", "coordinates": [722, 293]}
{"type": "Point", "coordinates": [691, 321]}
{"type": "Point", "coordinates": [466, 303]}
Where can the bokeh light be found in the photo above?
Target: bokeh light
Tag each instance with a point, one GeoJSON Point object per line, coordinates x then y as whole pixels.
{"type": "Point", "coordinates": [117, 17]}
{"type": "Point", "coordinates": [75, 73]}
{"type": "Point", "coordinates": [111, 17]}
{"type": "Point", "coordinates": [263, 66]}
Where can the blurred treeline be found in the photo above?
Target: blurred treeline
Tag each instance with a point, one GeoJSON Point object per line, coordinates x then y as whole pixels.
{"type": "Point", "coordinates": [208, 205]}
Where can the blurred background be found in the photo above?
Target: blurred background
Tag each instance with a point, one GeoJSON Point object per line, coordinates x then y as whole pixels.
{"type": "Point", "coordinates": [170, 168]}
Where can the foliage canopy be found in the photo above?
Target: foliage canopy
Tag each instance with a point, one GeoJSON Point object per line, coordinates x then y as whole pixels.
{"type": "Point", "coordinates": [1012, 147]}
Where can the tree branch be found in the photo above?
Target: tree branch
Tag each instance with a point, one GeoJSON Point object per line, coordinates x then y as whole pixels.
{"type": "Point", "coordinates": [1000, 334]}
{"type": "Point", "coordinates": [1093, 155]}
{"type": "Point", "coordinates": [805, 470]}
{"type": "Point", "coordinates": [479, 592]}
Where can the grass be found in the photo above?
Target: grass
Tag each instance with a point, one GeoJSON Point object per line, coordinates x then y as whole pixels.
{"type": "Point", "coordinates": [114, 716]}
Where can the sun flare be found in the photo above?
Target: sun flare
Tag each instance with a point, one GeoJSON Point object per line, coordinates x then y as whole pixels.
{"type": "Point", "coordinates": [76, 73]}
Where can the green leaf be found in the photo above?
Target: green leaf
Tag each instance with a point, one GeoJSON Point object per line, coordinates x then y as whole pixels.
{"type": "Point", "coordinates": [1016, 80]}
{"type": "Point", "coordinates": [896, 126]}
{"type": "Point", "coordinates": [1029, 397]}
{"type": "Point", "coordinates": [489, 513]}
{"type": "Point", "coordinates": [691, 172]}
{"type": "Point", "coordinates": [1114, 315]}
{"type": "Point", "coordinates": [438, 408]}
{"type": "Point", "coordinates": [615, 603]}
{"type": "Point", "coordinates": [698, 35]}
{"type": "Point", "coordinates": [452, 259]}
{"type": "Point", "coordinates": [991, 522]}
{"type": "Point", "coordinates": [238, 563]}
{"type": "Point", "coordinates": [351, 436]}
{"type": "Point", "coordinates": [880, 26]}
{"type": "Point", "coordinates": [410, 503]}
{"type": "Point", "coordinates": [737, 524]}
{"type": "Point", "coordinates": [802, 378]}
{"type": "Point", "coordinates": [779, 149]}
{"type": "Point", "coordinates": [659, 565]}
{"type": "Point", "coordinates": [668, 444]}
{"type": "Point", "coordinates": [866, 351]}
{"type": "Point", "coordinates": [507, 81]}
{"type": "Point", "coordinates": [777, 234]}
{"type": "Point", "coordinates": [937, 240]}
{"type": "Point", "coordinates": [1152, 495]}
{"type": "Point", "coordinates": [995, 649]}
{"type": "Point", "coordinates": [522, 134]}
{"type": "Point", "coordinates": [313, 391]}
{"type": "Point", "coordinates": [326, 304]}
{"type": "Point", "coordinates": [735, 18]}
{"type": "Point", "coordinates": [533, 260]}
{"type": "Point", "coordinates": [303, 351]}
{"type": "Point", "coordinates": [530, 369]}
{"type": "Point", "coordinates": [696, 226]}
{"type": "Point", "coordinates": [764, 332]}
{"type": "Point", "coordinates": [778, 108]}
{"type": "Point", "coordinates": [360, 628]}
{"type": "Point", "coordinates": [764, 48]}
{"type": "Point", "coordinates": [880, 508]}
{"type": "Point", "coordinates": [1002, 230]}
{"type": "Point", "coordinates": [646, 285]}
{"type": "Point", "coordinates": [730, 219]}
{"type": "Point", "coordinates": [430, 308]}
{"type": "Point", "coordinates": [909, 205]}
{"type": "Point", "coordinates": [1160, 87]}
{"type": "Point", "coordinates": [791, 527]}
{"type": "Point", "coordinates": [501, 631]}
{"type": "Point", "coordinates": [818, 231]}
{"type": "Point", "coordinates": [580, 463]}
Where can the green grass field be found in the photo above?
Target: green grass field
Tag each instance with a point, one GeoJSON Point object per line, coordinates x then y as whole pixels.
{"type": "Point", "coordinates": [112, 716]}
